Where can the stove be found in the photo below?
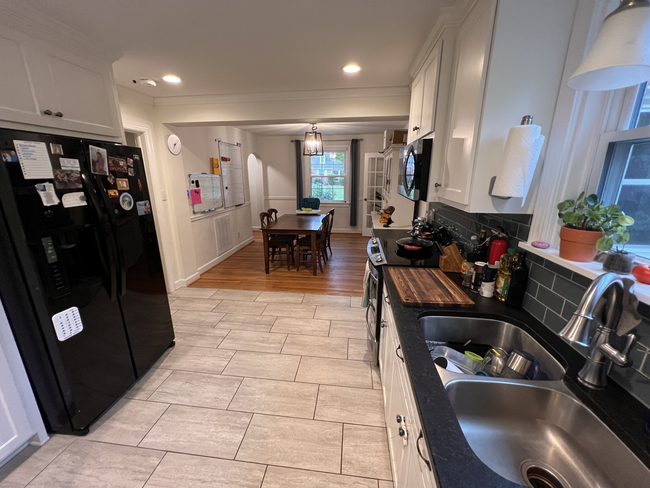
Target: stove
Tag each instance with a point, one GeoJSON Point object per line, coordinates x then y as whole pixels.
{"type": "Point", "coordinates": [383, 250]}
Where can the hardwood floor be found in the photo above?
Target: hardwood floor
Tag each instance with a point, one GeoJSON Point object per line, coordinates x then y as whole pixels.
{"type": "Point", "coordinates": [244, 270]}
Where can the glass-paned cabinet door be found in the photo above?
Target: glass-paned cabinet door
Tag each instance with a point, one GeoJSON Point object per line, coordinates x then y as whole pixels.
{"type": "Point", "coordinates": [372, 189]}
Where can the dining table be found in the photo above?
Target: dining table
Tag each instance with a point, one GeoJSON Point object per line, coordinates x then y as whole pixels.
{"type": "Point", "coordinates": [294, 224]}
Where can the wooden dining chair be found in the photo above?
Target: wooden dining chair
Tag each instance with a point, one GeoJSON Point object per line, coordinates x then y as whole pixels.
{"type": "Point", "coordinates": [331, 226]}
{"type": "Point", "coordinates": [273, 213]}
{"type": "Point", "coordinates": [278, 243]}
{"type": "Point", "coordinates": [304, 250]}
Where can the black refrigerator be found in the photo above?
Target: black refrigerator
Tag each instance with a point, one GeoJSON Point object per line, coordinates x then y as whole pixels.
{"type": "Point", "coordinates": [81, 275]}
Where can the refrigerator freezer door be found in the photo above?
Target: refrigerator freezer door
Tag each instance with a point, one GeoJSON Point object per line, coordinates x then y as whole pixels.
{"type": "Point", "coordinates": [141, 283]}
{"type": "Point", "coordinates": [67, 261]}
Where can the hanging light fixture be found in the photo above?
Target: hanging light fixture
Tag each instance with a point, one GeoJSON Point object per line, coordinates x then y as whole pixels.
{"type": "Point", "coordinates": [313, 143]}
{"type": "Point", "coordinates": [621, 54]}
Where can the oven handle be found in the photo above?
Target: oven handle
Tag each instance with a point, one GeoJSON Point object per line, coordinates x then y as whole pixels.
{"type": "Point", "coordinates": [369, 326]}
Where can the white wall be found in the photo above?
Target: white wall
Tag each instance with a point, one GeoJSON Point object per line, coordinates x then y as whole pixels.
{"type": "Point", "coordinates": [279, 173]}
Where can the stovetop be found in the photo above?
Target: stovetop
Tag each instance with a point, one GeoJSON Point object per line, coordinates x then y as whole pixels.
{"type": "Point", "coordinates": [393, 256]}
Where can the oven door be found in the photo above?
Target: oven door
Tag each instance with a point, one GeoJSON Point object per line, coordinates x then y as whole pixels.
{"type": "Point", "coordinates": [373, 312]}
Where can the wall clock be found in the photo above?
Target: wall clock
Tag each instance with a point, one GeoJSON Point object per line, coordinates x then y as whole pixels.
{"type": "Point", "coordinates": [174, 144]}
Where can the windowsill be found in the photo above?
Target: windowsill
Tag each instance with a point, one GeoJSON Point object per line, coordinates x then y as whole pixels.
{"type": "Point", "coordinates": [590, 270]}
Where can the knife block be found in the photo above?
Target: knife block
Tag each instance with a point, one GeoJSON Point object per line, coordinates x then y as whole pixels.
{"type": "Point", "coordinates": [451, 259]}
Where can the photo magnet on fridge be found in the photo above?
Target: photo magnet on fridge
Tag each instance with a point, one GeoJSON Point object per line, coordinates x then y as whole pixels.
{"type": "Point", "coordinates": [126, 201]}
{"type": "Point", "coordinates": [131, 172]}
{"type": "Point", "coordinates": [144, 207]}
{"type": "Point", "coordinates": [117, 164]}
{"type": "Point", "coordinates": [111, 179]}
{"type": "Point", "coordinates": [129, 162]}
{"type": "Point", "coordinates": [69, 176]}
{"type": "Point", "coordinates": [9, 156]}
{"type": "Point", "coordinates": [113, 194]}
{"type": "Point", "coordinates": [122, 184]}
{"type": "Point", "coordinates": [56, 148]}
{"type": "Point", "coordinates": [98, 160]}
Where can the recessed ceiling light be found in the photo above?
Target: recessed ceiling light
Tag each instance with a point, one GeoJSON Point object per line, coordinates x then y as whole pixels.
{"type": "Point", "coordinates": [171, 79]}
{"type": "Point", "coordinates": [351, 68]}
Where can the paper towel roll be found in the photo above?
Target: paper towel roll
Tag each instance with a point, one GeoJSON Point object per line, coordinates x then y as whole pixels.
{"type": "Point", "coordinates": [520, 156]}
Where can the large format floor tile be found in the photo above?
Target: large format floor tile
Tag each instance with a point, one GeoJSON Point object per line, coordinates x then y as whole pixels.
{"type": "Point", "coordinates": [284, 398]}
{"type": "Point", "coordinates": [346, 328]}
{"type": "Point", "coordinates": [359, 350]}
{"type": "Point", "coordinates": [341, 372]}
{"type": "Point", "coordinates": [293, 443]}
{"type": "Point", "coordinates": [197, 389]}
{"type": "Point", "coordinates": [279, 297]}
{"type": "Point", "coordinates": [195, 318]}
{"type": "Point", "coordinates": [294, 325]}
{"type": "Point", "coordinates": [246, 340]}
{"type": "Point", "coordinates": [199, 336]}
{"type": "Point", "coordinates": [201, 431]}
{"type": "Point", "coordinates": [184, 471]}
{"type": "Point", "coordinates": [325, 347]}
{"type": "Point", "coordinates": [365, 452]}
{"type": "Point", "coordinates": [350, 405]}
{"type": "Point", "coordinates": [90, 464]}
{"type": "Point", "coordinates": [340, 313]}
{"type": "Point", "coordinates": [355, 302]}
{"type": "Point", "coordinates": [127, 422]}
{"type": "Point", "coordinates": [146, 385]}
{"type": "Point", "coordinates": [290, 310]}
{"type": "Point", "coordinates": [385, 484]}
{"type": "Point", "coordinates": [241, 307]}
{"type": "Point", "coordinates": [27, 464]}
{"type": "Point", "coordinates": [194, 304]}
{"type": "Point", "coordinates": [277, 477]}
{"type": "Point", "coordinates": [262, 365]}
{"type": "Point", "coordinates": [199, 359]}
{"type": "Point", "coordinates": [331, 300]}
{"type": "Point", "coordinates": [194, 292]}
{"type": "Point", "coordinates": [238, 295]}
{"type": "Point", "coordinates": [236, 321]}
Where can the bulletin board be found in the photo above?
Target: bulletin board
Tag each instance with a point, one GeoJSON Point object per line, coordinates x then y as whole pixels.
{"type": "Point", "coordinates": [210, 192]}
{"type": "Point", "coordinates": [232, 172]}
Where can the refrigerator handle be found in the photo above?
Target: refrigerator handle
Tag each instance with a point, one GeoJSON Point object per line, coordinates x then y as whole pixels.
{"type": "Point", "coordinates": [109, 265]}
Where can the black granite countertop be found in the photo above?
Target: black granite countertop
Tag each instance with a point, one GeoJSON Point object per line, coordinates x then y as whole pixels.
{"type": "Point", "coordinates": [455, 463]}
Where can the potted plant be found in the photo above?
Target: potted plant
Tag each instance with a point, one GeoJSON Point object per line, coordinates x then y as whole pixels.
{"type": "Point", "coordinates": [615, 235]}
{"type": "Point", "coordinates": [581, 230]}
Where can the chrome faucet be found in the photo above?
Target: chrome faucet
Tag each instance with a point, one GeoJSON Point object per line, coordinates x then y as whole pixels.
{"type": "Point", "coordinates": [601, 353]}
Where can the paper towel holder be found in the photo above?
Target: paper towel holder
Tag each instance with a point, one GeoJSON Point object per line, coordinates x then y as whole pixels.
{"type": "Point", "coordinates": [525, 120]}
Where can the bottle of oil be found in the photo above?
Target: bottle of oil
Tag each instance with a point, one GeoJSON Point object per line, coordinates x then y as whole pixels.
{"type": "Point", "coordinates": [504, 275]}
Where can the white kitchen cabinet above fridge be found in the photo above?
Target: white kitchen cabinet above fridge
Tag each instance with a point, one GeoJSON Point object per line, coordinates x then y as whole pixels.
{"type": "Point", "coordinates": [509, 59]}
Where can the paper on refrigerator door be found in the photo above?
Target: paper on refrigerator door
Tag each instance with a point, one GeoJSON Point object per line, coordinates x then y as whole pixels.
{"type": "Point", "coordinates": [75, 199]}
{"type": "Point", "coordinates": [34, 160]}
{"type": "Point", "coordinates": [67, 323]}
{"type": "Point", "coordinates": [47, 194]}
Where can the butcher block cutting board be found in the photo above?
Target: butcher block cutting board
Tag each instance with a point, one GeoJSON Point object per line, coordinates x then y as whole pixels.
{"type": "Point", "coordinates": [428, 287]}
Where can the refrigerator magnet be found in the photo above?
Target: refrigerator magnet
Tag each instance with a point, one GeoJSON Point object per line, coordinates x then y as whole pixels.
{"type": "Point", "coordinates": [129, 162]}
{"type": "Point", "coordinates": [126, 201]}
{"type": "Point", "coordinates": [117, 164]}
{"type": "Point", "coordinates": [122, 184]}
{"type": "Point", "coordinates": [131, 172]}
{"type": "Point", "coordinates": [113, 194]}
{"type": "Point", "coordinates": [139, 184]}
{"type": "Point", "coordinates": [98, 160]}
{"type": "Point", "coordinates": [144, 207]}
{"type": "Point", "coordinates": [56, 148]}
{"type": "Point", "coordinates": [111, 179]}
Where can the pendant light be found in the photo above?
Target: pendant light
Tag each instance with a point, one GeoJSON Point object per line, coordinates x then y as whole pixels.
{"type": "Point", "coordinates": [313, 143]}
{"type": "Point", "coordinates": [621, 54]}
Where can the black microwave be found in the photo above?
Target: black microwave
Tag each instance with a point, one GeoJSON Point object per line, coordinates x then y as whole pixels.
{"type": "Point", "coordinates": [414, 164]}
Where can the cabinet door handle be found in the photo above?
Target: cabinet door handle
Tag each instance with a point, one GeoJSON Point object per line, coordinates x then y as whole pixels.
{"type": "Point", "coordinates": [437, 185]}
{"type": "Point", "coordinates": [402, 432]}
{"type": "Point", "coordinates": [58, 114]}
{"type": "Point", "coordinates": [386, 299]}
{"type": "Point", "coordinates": [397, 354]}
{"type": "Point", "coordinates": [399, 419]}
{"type": "Point", "coordinates": [47, 112]}
{"type": "Point", "coordinates": [384, 324]}
{"type": "Point", "coordinates": [417, 444]}
{"type": "Point", "coordinates": [416, 128]}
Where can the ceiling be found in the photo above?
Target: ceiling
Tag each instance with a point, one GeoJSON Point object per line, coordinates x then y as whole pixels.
{"type": "Point", "coordinates": [254, 46]}
{"type": "Point", "coordinates": [325, 128]}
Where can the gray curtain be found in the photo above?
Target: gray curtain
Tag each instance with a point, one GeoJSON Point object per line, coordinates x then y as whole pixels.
{"type": "Point", "coordinates": [354, 180]}
{"type": "Point", "coordinates": [299, 194]}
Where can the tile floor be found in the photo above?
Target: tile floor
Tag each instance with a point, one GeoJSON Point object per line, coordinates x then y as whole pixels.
{"type": "Point", "coordinates": [263, 390]}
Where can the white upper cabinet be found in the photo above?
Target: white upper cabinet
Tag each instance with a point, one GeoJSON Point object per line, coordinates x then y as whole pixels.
{"type": "Point", "coordinates": [424, 95]}
{"type": "Point", "coordinates": [48, 87]}
{"type": "Point", "coordinates": [507, 63]}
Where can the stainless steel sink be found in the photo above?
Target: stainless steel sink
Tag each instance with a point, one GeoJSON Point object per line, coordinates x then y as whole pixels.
{"type": "Point", "coordinates": [492, 332]}
{"type": "Point", "coordinates": [540, 437]}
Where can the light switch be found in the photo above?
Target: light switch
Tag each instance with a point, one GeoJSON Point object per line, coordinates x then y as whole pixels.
{"type": "Point", "coordinates": [163, 195]}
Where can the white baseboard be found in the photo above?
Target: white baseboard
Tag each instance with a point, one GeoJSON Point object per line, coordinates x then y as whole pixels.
{"type": "Point", "coordinates": [217, 260]}
{"type": "Point", "coordinates": [187, 281]}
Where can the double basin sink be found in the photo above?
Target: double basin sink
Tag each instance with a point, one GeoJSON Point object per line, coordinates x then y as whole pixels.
{"type": "Point", "coordinates": [535, 433]}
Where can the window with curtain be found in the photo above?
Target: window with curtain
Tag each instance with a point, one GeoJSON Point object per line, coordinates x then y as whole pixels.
{"type": "Point", "coordinates": [625, 177]}
{"type": "Point", "coordinates": [328, 176]}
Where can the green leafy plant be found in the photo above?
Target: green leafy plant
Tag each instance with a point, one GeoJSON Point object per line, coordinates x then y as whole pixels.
{"type": "Point", "coordinates": [589, 213]}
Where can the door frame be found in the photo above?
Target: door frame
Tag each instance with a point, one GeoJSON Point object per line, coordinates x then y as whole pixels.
{"type": "Point", "coordinates": [365, 230]}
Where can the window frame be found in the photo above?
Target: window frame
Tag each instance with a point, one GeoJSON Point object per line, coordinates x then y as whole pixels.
{"type": "Point", "coordinates": [307, 178]}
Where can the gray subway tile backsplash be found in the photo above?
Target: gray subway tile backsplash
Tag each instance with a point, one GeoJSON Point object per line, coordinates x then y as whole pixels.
{"type": "Point", "coordinates": [553, 291]}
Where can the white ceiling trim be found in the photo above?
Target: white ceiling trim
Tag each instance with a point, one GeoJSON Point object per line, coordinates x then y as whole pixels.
{"type": "Point", "coordinates": [36, 24]}
{"type": "Point", "coordinates": [400, 91]}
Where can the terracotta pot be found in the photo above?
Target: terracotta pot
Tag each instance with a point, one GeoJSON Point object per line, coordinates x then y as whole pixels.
{"type": "Point", "coordinates": [579, 245]}
{"type": "Point", "coordinates": [619, 262]}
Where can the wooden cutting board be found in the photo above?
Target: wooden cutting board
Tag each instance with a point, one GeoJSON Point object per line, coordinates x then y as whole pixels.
{"type": "Point", "coordinates": [428, 287]}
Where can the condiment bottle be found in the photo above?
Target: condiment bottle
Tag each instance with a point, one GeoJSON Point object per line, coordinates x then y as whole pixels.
{"type": "Point", "coordinates": [471, 248]}
{"type": "Point", "coordinates": [477, 279]}
{"type": "Point", "coordinates": [498, 247]}
{"type": "Point", "coordinates": [518, 282]}
{"type": "Point", "coordinates": [469, 273]}
{"type": "Point", "coordinates": [502, 284]}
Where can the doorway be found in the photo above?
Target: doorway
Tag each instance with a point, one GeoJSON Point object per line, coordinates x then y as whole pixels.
{"type": "Point", "coordinates": [256, 185]}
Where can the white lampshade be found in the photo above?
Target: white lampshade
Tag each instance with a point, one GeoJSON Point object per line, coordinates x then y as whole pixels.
{"type": "Point", "coordinates": [621, 55]}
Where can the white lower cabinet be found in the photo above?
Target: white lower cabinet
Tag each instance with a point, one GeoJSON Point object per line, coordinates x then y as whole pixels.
{"type": "Point", "coordinates": [403, 424]}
